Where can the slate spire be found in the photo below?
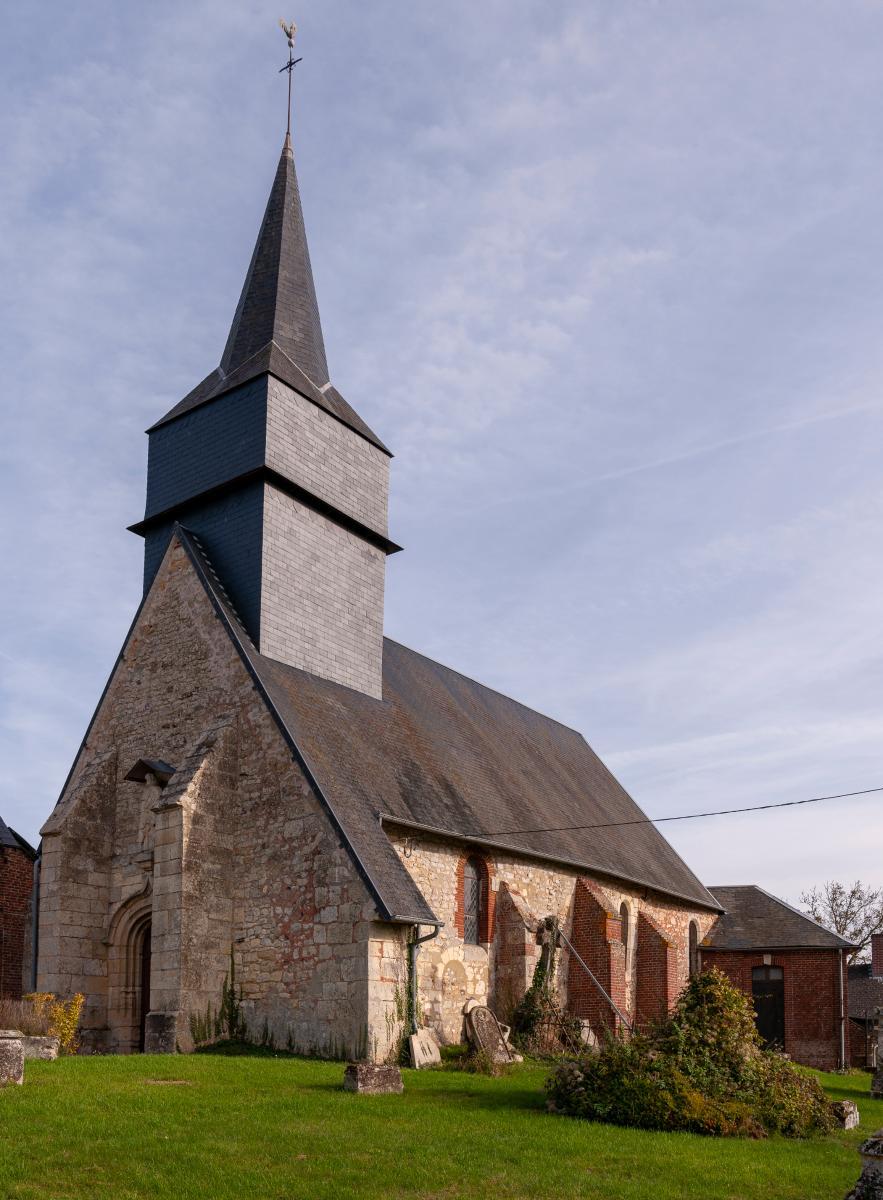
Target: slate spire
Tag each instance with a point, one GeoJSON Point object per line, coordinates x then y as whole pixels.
{"type": "Point", "coordinates": [278, 302]}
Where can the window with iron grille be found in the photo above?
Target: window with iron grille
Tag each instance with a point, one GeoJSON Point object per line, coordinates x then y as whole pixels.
{"type": "Point", "coordinates": [474, 900]}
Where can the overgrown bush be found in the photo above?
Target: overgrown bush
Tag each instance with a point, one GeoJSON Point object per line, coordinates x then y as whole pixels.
{"type": "Point", "coordinates": [702, 1069]}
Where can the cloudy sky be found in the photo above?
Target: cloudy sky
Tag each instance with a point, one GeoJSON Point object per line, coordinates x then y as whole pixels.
{"type": "Point", "coordinates": [605, 276]}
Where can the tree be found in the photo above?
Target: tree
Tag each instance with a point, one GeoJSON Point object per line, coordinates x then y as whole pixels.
{"type": "Point", "coordinates": [855, 911]}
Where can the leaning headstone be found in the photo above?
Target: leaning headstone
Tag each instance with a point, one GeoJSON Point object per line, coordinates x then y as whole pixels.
{"type": "Point", "coordinates": [424, 1049]}
{"type": "Point", "coordinates": [372, 1079]}
{"type": "Point", "coordinates": [870, 1182]}
{"type": "Point", "coordinates": [846, 1113]}
{"type": "Point", "coordinates": [40, 1047]}
{"type": "Point", "coordinates": [486, 1034]}
{"type": "Point", "coordinates": [12, 1057]}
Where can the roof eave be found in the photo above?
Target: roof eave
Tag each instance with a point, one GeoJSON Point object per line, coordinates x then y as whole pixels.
{"type": "Point", "coordinates": [494, 844]}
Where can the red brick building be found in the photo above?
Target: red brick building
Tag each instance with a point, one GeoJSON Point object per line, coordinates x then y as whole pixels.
{"type": "Point", "coordinates": [794, 970]}
{"type": "Point", "coordinates": [865, 1000]}
{"type": "Point", "coordinates": [16, 881]}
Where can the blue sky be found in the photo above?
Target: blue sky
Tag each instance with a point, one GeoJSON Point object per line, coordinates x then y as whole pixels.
{"type": "Point", "coordinates": [605, 276]}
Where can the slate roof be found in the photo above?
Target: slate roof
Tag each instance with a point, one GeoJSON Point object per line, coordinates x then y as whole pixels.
{"type": "Point", "coordinates": [753, 919]}
{"type": "Point", "coordinates": [865, 991]}
{"type": "Point", "coordinates": [441, 752]}
{"type": "Point", "coordinates": [8, 837]}
{"type": "Point", "coordinates": [276, 327]}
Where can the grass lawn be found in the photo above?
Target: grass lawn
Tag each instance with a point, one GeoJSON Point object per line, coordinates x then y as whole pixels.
{"type": "Point", "coordinates": [275, 1129]}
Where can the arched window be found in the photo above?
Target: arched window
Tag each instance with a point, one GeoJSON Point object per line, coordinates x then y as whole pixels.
{"type": "Point", "coordinates": [474, 901]}
{"type": "Point", "coordinates": [624, 922]}
{"type": "Point", "coordinates": [694, 949]}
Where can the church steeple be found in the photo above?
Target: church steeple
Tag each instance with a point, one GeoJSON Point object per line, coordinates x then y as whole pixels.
{"type": "Point", "coordinates": [283, 483]}
{"type": "Point", "coordinates": [278, 302]}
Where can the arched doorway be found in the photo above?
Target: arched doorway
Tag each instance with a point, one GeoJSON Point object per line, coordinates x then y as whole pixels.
{"type": "Point", "coordinates": [143, 985]}
{"type": "Point", "coordinates": [129, 976]}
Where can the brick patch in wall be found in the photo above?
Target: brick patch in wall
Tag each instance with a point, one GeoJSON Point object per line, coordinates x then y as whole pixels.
{"type": "Point", "coordinates": [16, 881]}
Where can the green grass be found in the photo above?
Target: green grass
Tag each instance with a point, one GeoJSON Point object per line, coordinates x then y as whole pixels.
{"type": "Point", "coordinates": [262, 1129]}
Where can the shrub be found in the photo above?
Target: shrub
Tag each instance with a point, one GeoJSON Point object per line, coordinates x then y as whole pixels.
{"type": "Point", "coordinates": [42, 1014]}
{"type": "Point", "coordinates": [700, 1070]}
{"type": "Point", "coordinates": [24, 1016]}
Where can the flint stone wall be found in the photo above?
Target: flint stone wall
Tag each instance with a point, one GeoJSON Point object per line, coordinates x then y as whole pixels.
{"type": "Point", "coordinates": [522, 893]}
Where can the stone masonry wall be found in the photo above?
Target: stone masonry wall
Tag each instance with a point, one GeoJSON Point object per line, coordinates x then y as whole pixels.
{"type": "Point", "coordinates": [234, 854]}
{"type": "Point", "coordinates": [330, 460]}
{"type": "Point", "coordinates": [812, 997]}
{"type": "Point", "coordinates": [525, 890]}
{"type": "Point", "coordinates": [321, 596]}
{"type": "Point", "coordinates": [16, 880]}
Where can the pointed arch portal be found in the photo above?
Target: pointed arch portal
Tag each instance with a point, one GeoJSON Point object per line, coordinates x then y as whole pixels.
{"type": "Point", "coordinates": [129, 958]}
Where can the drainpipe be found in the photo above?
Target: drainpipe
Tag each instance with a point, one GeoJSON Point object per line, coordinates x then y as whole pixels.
{"type": "Point", "coordinates": [842, 1015]}
{"type": "Point", "coordinates": [35, 920]}
{"type": "Point", "coordinates": [412, 967]}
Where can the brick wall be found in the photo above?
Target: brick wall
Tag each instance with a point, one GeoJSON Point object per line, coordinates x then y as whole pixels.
{"type": "Point", "coordinates": [16, 880]}
{"type": "Point", "coordinates": [658, 976]}
{"type": "Point", "coordinates": [597, 938]}
{"type": "Point", "coordinates": [877, 956]}
{"type": "Point", "coordinates": [812, 997]}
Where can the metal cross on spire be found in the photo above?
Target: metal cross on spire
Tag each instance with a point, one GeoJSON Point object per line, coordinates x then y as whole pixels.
{"type": "Point", "coordinates": [290, 32]}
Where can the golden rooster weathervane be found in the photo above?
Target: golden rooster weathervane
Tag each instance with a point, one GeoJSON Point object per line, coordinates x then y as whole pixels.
{"type": "Point", "coordinates": [290, 32]}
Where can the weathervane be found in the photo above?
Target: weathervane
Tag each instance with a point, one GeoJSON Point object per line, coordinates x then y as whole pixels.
{"type": "Point", "coordinates": [290, 32]}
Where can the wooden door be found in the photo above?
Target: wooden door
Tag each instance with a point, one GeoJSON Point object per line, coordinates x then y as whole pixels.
{"type": "Point", "coordinates": [768, 992]}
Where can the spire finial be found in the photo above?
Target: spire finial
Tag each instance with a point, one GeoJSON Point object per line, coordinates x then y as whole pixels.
{"type": "Point", "coordinates": [290, 32]}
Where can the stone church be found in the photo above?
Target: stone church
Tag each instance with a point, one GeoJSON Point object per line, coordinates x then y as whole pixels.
{"type": "Point", "coordinates": [270, 786]}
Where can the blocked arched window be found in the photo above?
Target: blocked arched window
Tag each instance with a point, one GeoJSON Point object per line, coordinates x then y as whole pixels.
{"type": "Point", "coordinates": [625, 935]}
{"type": "Point", "coordinates": [694, 949]}
{"type": "Point", "coordinates": [475, 881]}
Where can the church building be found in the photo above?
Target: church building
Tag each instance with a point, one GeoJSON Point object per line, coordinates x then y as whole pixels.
{"type": "Point", "coordinates": [271, 790]}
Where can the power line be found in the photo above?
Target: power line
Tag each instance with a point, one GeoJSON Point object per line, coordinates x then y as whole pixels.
{"type": "Point", "coordinates": [722, 812]}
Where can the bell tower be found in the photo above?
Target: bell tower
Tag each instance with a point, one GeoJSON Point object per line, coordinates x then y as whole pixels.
{"type": "Point", "coordinates": [282, 482]}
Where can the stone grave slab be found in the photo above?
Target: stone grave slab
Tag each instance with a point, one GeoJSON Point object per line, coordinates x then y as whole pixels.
{"type": "Point", "coordinates": [846, 1113]}
{"type": "Point", "coordinates": [424, 1049]}
{"type": "Point", "coordinates": [486, 1034]}
{"type": "Point", "coordinates": [12, 1057]}
{"type": "Point", "coordinates": [372, 1079]}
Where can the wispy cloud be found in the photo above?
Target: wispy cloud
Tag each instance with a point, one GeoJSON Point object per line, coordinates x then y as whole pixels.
{"type": "Point", "coordinates": [604, 276]}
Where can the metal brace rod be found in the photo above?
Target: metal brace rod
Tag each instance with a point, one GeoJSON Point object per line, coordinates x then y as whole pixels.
{"type": "Point", "coordinates": [597, 984]}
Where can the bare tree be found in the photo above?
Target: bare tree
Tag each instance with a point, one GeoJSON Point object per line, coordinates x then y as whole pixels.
{"type": "Point", "coordinates": [855, 911]}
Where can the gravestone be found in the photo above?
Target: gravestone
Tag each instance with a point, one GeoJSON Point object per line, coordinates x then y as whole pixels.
{"type": "Point", "coordinates": [486, 1034]}
{"type": "Point", "coordinates": [40, 1047]}
{"type": "Point", "coordinates": [846, 1113]}
{"type": "Point", "coordinates": [424, 1049]}
{"type": "Point", "coordinates": [877, 1084]}
{"type": "Point", "coordinates": [372, 1080]}
{"type": "Point", "coordinates": [12, 1057]}
{"type": "Point", "coordinates": [870, 1182]}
